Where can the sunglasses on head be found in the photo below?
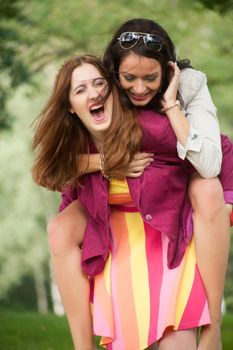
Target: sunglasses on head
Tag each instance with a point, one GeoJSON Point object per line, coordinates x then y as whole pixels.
{"type": "Point", "coordinates": [130, 39]}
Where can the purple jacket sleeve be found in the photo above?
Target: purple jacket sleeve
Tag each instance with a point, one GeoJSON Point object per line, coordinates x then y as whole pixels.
{"type": "Point", "coordinates": [226, 174]}
{"type": "Point", "coordinates": [68, 195]}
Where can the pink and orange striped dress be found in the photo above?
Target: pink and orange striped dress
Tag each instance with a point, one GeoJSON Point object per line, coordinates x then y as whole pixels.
{"type": "Point", "coordinates": [137, 297]}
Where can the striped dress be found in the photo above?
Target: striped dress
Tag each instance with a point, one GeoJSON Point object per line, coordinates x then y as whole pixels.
{"type": "Point", "coordinates": [137, 296]}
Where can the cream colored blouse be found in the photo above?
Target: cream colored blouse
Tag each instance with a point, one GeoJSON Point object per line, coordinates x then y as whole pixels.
{"type": "Point", "coordinates": [203, 146]}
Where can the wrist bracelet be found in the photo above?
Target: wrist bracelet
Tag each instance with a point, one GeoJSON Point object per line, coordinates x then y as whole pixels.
{"type": "Point", "coordinates": [177, 103]}
{"type": "Point", "coordinates": [101, 163]}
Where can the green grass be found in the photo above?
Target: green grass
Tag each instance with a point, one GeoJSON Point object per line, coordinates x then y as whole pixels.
{"type": "Point", "coordinates": [31, 331]}
{"type": "Point", "coordinates": [227, 332]}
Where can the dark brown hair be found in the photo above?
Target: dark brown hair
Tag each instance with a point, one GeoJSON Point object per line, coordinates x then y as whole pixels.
{"type": "Point", "coordinates": [114, 54]}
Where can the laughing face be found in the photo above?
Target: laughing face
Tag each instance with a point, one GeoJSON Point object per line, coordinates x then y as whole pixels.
{"type": "Point", "coordinates": [87, 87]}
{"type": "Point", "coordinates": [140, 77]}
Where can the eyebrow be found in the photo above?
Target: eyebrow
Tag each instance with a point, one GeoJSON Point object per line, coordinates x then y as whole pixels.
{"type": "Point", "coordinates": [82, 82]}
{"type": "Point", "coordinates": [146, 75]}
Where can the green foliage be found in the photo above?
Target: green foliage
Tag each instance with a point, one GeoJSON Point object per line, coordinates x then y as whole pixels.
{"type": "Point", "coordinates": [20, 298]}
{"type": "Point", "coordinates": [223, 6]}
{"type": "Point", "coordinates": [37, 33]}
{"type": "Point", "coordinates": [13, 70]}
{"type": "Point", "coordinates": [23, 243]}
{"type": "Point", "coordinates": [24, 208]}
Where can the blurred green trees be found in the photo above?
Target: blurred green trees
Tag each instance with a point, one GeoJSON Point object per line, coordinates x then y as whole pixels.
{"type": "Point", "coordinates": [36, 33]}
{"type": "Point", "coordinates": [36, 36]}
{"type": "Point", "coordinates": [13, 70]}
{"type": "Point", "coordinates": [223, 6]}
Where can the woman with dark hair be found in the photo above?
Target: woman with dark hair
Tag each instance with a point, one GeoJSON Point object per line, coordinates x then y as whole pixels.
{"type": "Point", "coordinates": [66, 230]}
{"type": "Point", "coordinates": [133, 56]}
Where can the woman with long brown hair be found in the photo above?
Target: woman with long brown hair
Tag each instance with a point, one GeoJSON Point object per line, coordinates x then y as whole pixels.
{"type": "Point", "coordinates": [60, 139]}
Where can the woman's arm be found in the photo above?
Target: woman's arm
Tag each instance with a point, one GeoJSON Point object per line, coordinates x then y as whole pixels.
{"type": "Point", "coordinates": [91, 164]}
{"type": "Point", "coordinates": [203, 148]}
{"type": "Point", "coordinates": [197, 128]}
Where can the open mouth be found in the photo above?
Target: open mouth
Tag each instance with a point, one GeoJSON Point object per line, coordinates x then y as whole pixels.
{"type": "Point", "coordinates": [97, 112]}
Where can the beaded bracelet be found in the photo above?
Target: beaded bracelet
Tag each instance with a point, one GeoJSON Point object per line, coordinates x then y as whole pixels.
{"type": "Point", "coordinates": [101, 163]}
{"type": "Point", "coordinates": [177, 103]}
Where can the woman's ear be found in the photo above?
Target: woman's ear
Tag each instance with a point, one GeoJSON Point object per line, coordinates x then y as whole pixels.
{"type": "Point", "coordinates": [71, 110]}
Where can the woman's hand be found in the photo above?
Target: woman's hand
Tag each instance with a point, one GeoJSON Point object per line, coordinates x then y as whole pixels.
{"type": "Point", "coordinates": [90, 164]}
{"type": "Point", "coordinates": [137, 166]}
{"type": "Point", "coordinates": [170, 95]}
{"type": "Point", "coordinates": [171, 106]}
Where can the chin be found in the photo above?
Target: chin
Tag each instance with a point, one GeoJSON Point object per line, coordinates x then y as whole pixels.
{"type": "Point", "coordinates": [140, 103]}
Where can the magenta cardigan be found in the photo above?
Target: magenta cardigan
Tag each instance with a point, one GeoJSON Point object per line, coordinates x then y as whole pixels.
{"type": "Point", "coordinates": [160, 195]}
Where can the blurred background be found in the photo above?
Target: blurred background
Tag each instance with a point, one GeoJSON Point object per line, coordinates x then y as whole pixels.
{"type": "Point", "coordinates": [35, 38]}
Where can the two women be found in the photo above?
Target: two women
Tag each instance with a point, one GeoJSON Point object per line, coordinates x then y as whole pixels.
{"type": "Point", "coordinates": [146, 46]}
{"type": "Point", "coordinates": [136, 269]}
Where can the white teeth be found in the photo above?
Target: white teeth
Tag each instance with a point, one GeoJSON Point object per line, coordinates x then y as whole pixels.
{"type": "Point", "coordinates": [96, 107]}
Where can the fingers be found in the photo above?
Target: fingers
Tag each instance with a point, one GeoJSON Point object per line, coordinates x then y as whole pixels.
{"type": "Point", "coordinates": [134, 175]}
{"type": "Point", "coordinates": [143, 155]}
{"type": "Point", "coordinates": [136, 169]}
{"type": "Point", "coordinates": [139, 163]}
{"type": "Point", "coordinates": [170, 94]}
{"type": "Point", "coordinates": [174, 72]}
{"type": "Point", "coordinates": [174, 67]}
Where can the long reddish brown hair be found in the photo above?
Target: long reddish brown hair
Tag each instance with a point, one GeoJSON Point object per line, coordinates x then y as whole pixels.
{"type": "Point", "coordinates": [123, 138]}
{"type": "Point", "coordinates": [60, 138]}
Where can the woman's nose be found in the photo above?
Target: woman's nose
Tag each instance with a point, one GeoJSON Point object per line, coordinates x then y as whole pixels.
{"type": "Point", "coordinates": [139, 87]}
{"type": "Point", "coordinates": [93, 93]}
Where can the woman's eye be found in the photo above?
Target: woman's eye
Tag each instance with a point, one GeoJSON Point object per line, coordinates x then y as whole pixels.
{"type": "Point", "coordinates": [129, 77]}
{"type": "Point", "coordinates": [79, 91]}
{"type": "Point", "coordinates": [99, 82]}
{"type": "Point", "coordinates": [151, 79]}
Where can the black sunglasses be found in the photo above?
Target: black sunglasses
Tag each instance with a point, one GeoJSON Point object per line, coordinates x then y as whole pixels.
{"type": "Point", "coordinates": [130, 39]}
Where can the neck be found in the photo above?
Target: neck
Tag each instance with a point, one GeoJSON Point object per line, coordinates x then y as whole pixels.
{"type": "Point", "coordinates": [98, 141]}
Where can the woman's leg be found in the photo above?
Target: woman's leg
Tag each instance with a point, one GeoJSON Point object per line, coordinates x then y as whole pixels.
{"type": "Point", "coordinates": [179, 340]}
{"type": "Point", "coordinates": [229, 208]}
{"type": "Point", "coordinates": [153, 347]}
{"type": "Point", "coordinates": [65, 235]}
{"type": "Point", "coordinates": [211, 233]}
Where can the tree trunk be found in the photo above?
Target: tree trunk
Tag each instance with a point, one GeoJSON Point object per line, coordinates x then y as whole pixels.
{"type": "Point", "coordinates": [42, 301]}
{"type": "Point", "coordinates": [58, 308]}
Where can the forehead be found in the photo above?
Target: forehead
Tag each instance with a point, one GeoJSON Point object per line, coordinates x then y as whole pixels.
{"type": "Point", "coordinates": [133, 63]}
{"type": "Point", "coordinates": [84, 73]}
